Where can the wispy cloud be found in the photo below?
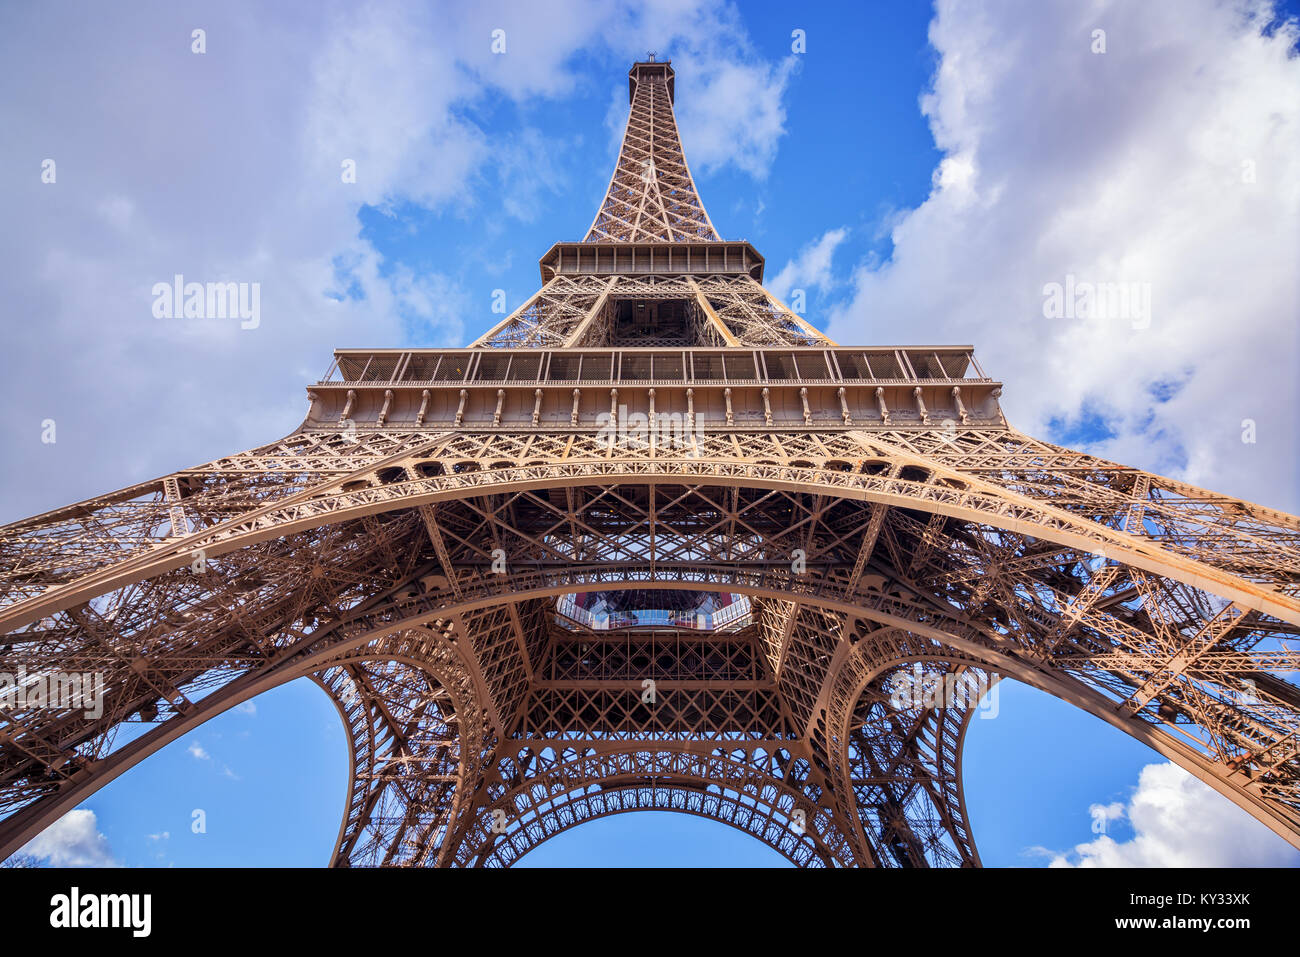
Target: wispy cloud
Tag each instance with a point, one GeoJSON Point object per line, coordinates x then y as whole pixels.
{"type": "Point", "coordinates": [811, 268]}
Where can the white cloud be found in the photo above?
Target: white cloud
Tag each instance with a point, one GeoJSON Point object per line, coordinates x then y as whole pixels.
{"type": "Point", "coordinates": [1123, 166]}
{"type": "Point", "coordinates": [1180, 822]}
{"type": "Point", "coordinates": [226, 166]}
{"type": "Point", "coordinates": [246, 707]}
{"type": "Point", "coordinates": [434, 302]}
{"type": "Point", "coordinates": [196, 749]}
{"type": "Point", "coordinates": [72, 841]}
{"type": "Point", "coordinates": [811, 268]}
{"type": "Point", "coordinates": [729, 101]}
{"type": "Point", "coordinates": [732, 112]}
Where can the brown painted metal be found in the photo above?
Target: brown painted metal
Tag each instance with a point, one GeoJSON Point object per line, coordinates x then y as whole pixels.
{"type": "Point", "coordinates": [415, 546]}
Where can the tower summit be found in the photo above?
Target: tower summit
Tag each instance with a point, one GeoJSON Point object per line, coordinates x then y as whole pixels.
{"type": "Point", "coordinates": [655, 542]}
{"type": "Point", "coordinates": [651, 195]}
{"type": "Point", "coordinates": [652, 269]}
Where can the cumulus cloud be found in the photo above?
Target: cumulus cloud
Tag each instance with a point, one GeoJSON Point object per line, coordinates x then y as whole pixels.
{"type": "Point", "coordinates": [73, 840]}
{"type": "Point", "coordinates": [811, 268]}
{"type": "Point", "coordinates": [198, 752]}
{"type": "Point", "coordinates": [1167, 161]}
{"type": "Point", "coordinates": [1178, 821]}
{"type": "Point", "coordinates": [227, 166]}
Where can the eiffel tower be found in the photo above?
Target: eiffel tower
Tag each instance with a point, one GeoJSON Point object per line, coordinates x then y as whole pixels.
{"type": "Point", "coordinates": [655, 542]}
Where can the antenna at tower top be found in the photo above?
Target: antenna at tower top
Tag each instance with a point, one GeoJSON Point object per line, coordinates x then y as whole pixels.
{"type": "Point", "coordinates": [651, 56]}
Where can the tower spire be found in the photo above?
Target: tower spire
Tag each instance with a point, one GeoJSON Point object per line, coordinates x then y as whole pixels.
{"type": "Point", "coordinates": [651, 195]}
{"type": "Point", "coordinates": [653, 543]}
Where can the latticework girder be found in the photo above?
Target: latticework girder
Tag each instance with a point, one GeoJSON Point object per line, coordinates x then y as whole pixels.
{"type": "Point", "coordinates": [991, 581]}
{"type": "Point", "coordinates": [719, 311]}
{"type": "Point", "coordinates": [430, 544]}
{"type": "Point", "coordinates": [651, 195]}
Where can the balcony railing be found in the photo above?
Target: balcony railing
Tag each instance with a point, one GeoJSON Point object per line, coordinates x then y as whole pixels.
{"type": "Point", "coordinates": [527, 367]}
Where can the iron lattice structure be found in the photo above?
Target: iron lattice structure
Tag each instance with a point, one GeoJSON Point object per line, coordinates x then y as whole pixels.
{"type": "Point", "coordinates": [655, 471]}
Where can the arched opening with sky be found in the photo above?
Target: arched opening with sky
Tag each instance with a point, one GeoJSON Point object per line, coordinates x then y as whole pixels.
{"type": "Point", "coordinates": [480, 567]}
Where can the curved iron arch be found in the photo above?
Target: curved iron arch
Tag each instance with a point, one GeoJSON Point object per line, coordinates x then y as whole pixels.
{"type": "Point", "coordinates": [975, 500]}
{"type": "Point", "coordinates": [595, 782]}
{"type": "Point", "coordinates": [1209, 771]}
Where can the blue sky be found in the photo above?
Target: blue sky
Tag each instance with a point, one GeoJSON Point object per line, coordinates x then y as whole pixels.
{"type": "Point", "coordinates": [921, 172]}
{"type": "Point", "coordinates": [851, 121]}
